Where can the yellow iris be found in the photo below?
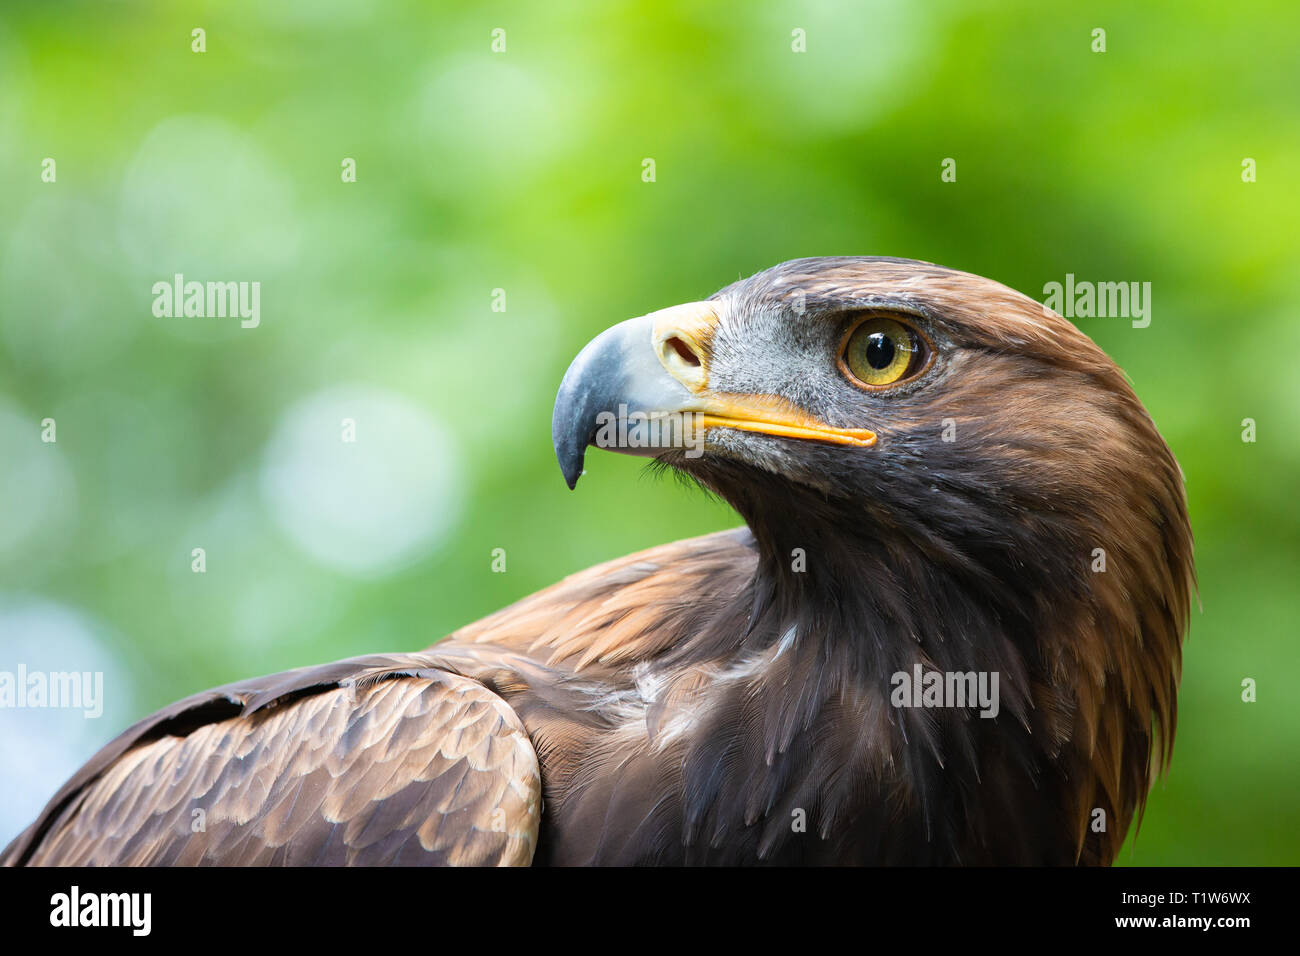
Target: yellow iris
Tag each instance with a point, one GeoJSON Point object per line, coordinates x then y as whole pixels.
{"type": "Point", "coordinates": [882, 351]}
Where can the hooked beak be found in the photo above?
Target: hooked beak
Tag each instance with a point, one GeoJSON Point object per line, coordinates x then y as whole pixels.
{"type": "Point", "coordinates": [654, 371]}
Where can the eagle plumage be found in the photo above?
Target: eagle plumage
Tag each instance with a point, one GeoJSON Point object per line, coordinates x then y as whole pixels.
{"type": "Point", "coordinates": [727, 699]}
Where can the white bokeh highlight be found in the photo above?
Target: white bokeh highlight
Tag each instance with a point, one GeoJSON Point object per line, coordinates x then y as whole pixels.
{"type": "Point", "coordinates": [200, 197]}
{"type": "Point", "coordinates": [366, 507]}
{"type": "Point", "coordinates": [41, 747]}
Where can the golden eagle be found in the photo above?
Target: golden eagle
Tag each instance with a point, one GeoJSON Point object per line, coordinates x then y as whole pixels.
{"type": "Point", "coordinates": [949, 634]}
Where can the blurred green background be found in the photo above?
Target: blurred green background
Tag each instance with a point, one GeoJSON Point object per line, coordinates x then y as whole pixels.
{"type": "Point", "coordinates": [522, 171]}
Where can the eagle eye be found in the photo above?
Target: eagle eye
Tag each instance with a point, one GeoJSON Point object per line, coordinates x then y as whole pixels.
{"type": "Point", "coordinates": [883, 351]}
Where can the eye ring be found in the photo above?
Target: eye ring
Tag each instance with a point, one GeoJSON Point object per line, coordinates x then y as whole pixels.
{"type": "Point", "coordinates": [883, 351]}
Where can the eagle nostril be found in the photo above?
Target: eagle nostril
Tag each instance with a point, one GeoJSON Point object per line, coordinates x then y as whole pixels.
{"type": "Point", "coordinates": [684, 351]}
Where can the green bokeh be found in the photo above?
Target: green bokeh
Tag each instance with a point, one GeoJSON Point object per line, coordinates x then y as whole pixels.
{"type": "Point", "coordinates": [522, 171]}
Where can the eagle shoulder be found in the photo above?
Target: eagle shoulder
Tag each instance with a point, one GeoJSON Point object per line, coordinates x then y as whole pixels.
{"type": "Point", "coordinates": [387, 760]}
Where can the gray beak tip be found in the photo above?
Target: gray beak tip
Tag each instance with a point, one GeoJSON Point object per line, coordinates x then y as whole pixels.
{"type": "Point", "coordinates": [618, 372]}
{"type": "Point", "coordinates": [572, 474]}
{"type": "Point", "coordinates": [569, 437]}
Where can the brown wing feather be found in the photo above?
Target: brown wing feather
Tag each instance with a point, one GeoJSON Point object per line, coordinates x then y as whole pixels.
{"type": "Point", "coordinates": [626, 610]}
{"type": "Point", "coordinates": [339, 763]}
{"type": "Point", "coordinates": [374, 761]}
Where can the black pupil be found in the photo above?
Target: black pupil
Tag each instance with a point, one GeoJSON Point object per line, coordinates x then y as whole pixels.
{"type": "Point", "coordinates": [880, 350]}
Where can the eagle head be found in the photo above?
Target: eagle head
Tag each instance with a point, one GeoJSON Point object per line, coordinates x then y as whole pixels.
{"type": "Point", "coordinates": [939, 472]}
